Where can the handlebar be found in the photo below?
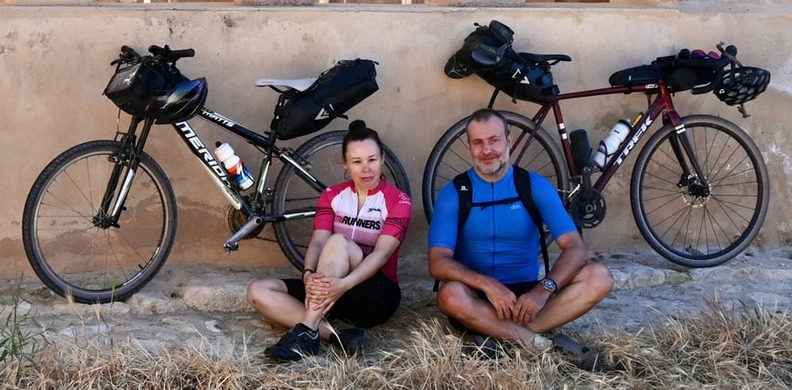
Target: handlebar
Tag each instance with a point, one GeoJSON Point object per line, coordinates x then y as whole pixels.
{"type": "Point", "coordinates": [711, 66]}
{"type": "Point", "coordinates": [159, 55]}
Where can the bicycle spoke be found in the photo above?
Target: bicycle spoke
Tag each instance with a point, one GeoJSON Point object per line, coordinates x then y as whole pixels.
{"type": "Point", "coordinates": [84, 254]}
{"type": "Point", "coordinates": [720, 213]}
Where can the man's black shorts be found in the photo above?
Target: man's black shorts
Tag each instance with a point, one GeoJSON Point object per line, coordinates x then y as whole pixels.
{"type": "Point", "coordinates": [368, 304]}
{"type": "Point", "coordinates": [517, 288]}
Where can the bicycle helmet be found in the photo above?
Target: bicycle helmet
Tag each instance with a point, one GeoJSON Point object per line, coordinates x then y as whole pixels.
{"type": "Point", "coordinates": [742, 84]}
{"type": "Point", "coordinates": [180, 103]}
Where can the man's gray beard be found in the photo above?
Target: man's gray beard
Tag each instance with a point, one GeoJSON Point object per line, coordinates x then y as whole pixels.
{"type": "Point", "coordinates": [502, 163]}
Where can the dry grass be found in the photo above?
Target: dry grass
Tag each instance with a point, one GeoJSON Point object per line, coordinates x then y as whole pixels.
{"type": "Point", "coordinates": [723, 348]}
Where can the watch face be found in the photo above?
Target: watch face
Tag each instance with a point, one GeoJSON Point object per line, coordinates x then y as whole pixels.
{"type": "Point", "coordinates": [549, 284]}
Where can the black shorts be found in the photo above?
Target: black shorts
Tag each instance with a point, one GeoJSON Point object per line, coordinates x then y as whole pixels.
{"type": "Point", "coordinates": [517, 288]}
{"type": "Point", "coordinates": [368, 304]}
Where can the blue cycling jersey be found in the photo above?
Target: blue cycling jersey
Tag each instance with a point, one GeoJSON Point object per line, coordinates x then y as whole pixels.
{"type": "Point", "coordinates": [500, 241]}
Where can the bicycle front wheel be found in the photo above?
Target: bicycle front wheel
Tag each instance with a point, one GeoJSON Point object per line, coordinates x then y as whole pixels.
{"type": "Point", "coordinates": [69, 242]}
{"type": "Point", "coordinates": [537, 152]}
{"type": "Point", "coordinates": [322, 155]}
{"type": "Point", "coordinates": [700, 222]}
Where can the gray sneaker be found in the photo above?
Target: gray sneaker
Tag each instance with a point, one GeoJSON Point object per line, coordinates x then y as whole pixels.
{"type": "Point", "coordinates": [583, 356]}
{"type": "Point", "coordinates": [298, 342]}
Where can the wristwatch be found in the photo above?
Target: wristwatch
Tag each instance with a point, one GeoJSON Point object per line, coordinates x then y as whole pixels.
{"type": "Point", "coordinates": [549, 285]}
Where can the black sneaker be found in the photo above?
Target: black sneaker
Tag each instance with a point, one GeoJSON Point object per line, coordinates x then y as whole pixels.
{"type": "Point", "coordinates": [296, 343]}
{"type": "Point", "coordinates": [481, 347]}
{"type": "Point", "coordinates": [351, 340]}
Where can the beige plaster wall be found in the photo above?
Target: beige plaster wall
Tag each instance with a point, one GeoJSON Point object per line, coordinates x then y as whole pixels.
{"type": "Point", "coordinates": [54, 63]}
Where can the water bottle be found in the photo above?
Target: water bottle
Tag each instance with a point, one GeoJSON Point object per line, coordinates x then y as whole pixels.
{"type": "Point", "coordinates": [233, 164]}
{"type": "Point", "coordinates": [609, 145]}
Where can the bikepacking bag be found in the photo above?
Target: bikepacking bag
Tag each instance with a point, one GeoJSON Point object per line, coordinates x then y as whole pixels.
{"type": "Point", "coordinates": [336, 90]}
{"type": "Point", "coordinates": [488, 52]}
{"type": "Point", "coordinates": [132, 87]}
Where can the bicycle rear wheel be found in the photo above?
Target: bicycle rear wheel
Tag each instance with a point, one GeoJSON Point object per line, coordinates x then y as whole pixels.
{"type": "Point", "coordinates": [66, 237]}
{"type": "Point", "coordinates": [323, 156]}
{"type": "Point", "coordinates": [681, 219]}
{"type": "Point", "coordinates": [451, 156]}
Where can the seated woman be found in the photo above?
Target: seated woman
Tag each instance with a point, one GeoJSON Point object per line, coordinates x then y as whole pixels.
{"type": "Point", "coordinates": [350, 263]}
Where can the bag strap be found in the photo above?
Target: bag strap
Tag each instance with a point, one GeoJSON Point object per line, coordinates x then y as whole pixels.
{"type": "Point", "coordinates": [522, 183]}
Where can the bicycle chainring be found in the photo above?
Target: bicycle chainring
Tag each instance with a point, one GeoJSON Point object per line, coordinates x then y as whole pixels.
{"type": "Point", "coordinates": [588, 213]}
{"type": "Point", "coordinates": [236, 219]}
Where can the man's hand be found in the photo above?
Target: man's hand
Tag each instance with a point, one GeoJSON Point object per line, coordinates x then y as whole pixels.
{"type": "Point", "coordinates": [529, 304]}
{"type": "Point", "coordinates": [501, 298]}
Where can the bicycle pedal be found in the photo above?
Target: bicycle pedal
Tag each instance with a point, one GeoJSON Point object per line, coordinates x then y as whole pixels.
{"type": "Point", "coordinates": [232, 243]}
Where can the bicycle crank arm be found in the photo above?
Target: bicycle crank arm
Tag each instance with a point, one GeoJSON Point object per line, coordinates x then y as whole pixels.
{"type": "Point", "coordinates": [253, 222]}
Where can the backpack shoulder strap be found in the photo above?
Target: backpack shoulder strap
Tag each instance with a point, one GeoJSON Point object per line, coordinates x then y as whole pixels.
{"type": "Point", "coordinates": [464, 190]}
{"type": "Point", "coordinates": [522, 182]}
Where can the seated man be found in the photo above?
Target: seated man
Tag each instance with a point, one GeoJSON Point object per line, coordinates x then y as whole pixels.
{"type": "Point", "coordinates": [490, 265]}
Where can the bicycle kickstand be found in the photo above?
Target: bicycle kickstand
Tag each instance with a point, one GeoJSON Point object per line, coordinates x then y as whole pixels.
{"type": "Point", "coordinates": [253, 222]}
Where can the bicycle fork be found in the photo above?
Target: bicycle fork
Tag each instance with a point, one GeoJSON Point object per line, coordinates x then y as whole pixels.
{"type": "Point", "coordinates": [694, 180]}
{"type": "Point", "coordinates": [128, 156]}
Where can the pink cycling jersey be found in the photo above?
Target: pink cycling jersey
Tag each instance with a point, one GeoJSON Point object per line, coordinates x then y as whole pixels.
{"type": "Point", "coordinates": [387, 211]}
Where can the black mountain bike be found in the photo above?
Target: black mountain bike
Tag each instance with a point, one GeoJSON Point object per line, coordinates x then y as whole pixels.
{"type": "Point", "coordinates": [100, 219]}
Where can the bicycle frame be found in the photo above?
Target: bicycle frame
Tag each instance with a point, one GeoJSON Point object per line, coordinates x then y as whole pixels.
{"type": "Point", "coordinates": [661, 105]}
{"type": "Point", "coordinates": [134, 146]}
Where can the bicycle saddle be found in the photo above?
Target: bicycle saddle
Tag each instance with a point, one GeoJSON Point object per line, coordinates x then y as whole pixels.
{"type": "Point", "coordinates": [297, 84]}
{"type": "Point", "coordinates": [539, 58]}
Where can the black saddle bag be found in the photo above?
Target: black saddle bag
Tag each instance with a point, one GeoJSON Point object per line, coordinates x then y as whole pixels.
{"type": "Point", "coordinates": [488, 53]}
{"type": "Point", "coordinates": [336, 90]}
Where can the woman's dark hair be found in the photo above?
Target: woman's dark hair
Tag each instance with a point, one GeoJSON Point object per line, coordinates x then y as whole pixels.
{"type": "Point", "coordinates": [359, 132]}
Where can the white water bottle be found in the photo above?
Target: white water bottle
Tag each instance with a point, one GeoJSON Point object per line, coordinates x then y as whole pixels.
{"type": "Point", "coordinates": [609, 145]}
{"type": "Point", "coordinates": [234, 166]}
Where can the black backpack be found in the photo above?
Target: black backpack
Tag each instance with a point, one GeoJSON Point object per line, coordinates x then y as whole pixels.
{"type": "Point", "coordinates": [522, 182]}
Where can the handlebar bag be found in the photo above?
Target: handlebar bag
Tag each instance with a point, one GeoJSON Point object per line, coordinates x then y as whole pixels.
{"type": "Point", "coordinates": [132, 87]}
{"type": "Point", "coordinates": [336, 90]}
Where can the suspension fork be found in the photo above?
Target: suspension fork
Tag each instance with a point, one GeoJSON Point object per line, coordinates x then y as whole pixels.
{"type": "Point", "coordinates": [128, 157]}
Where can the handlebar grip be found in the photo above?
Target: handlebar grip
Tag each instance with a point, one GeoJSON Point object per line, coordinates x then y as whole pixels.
{"type": "Point", "coordinates": [156, 50]}
{"type": "Point", "coordinates": [129, 52]}
{"type": "Point", "coordinates": [176, 54]}
{"type": "Point", "coordinates": [170, 55]}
